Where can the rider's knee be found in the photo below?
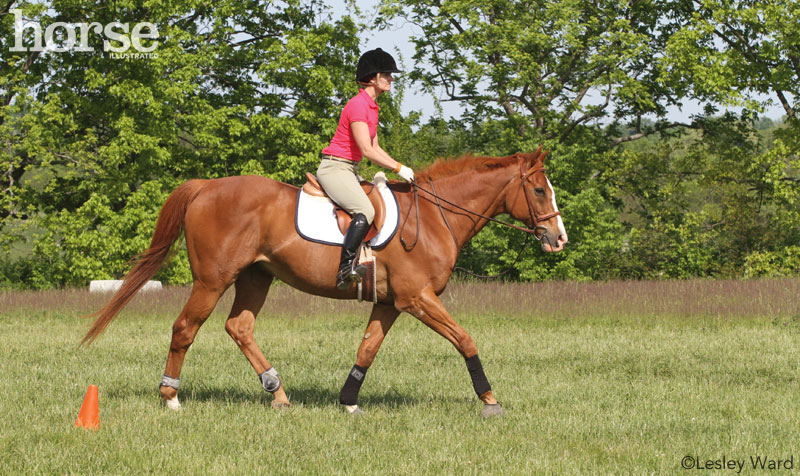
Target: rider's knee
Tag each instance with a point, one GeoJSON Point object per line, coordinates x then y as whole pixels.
{"type": "Point", "coordinates": [369, 213]}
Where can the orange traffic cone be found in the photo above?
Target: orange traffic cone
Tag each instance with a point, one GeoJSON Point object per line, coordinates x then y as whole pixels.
{"type": "Point", "coordinates": [89, 416]}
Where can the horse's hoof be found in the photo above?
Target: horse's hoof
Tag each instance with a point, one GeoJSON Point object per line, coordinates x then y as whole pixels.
{"type": "Point", "coordinates": [490, 411]}
{"type": "Point", "coordinates": [353, 410]}
{"type": "Point", "coordinates": [280, 405]}
{"type": "Point", "coordinates": [173, 404]}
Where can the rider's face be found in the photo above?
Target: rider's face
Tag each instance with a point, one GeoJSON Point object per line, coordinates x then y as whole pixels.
{"type": "Point", "coordinates": [383, 81]}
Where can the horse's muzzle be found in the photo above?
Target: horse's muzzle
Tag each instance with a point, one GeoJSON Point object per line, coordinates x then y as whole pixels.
{"type": "Point", "coordinates": [553, 243]}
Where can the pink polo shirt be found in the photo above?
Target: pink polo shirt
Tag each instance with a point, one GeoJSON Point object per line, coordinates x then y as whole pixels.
{"type": "Point", "coordinates": [361, 108]}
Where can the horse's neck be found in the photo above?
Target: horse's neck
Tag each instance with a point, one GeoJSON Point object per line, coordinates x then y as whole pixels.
{"type": "Point", "coordinates": [479, 192]}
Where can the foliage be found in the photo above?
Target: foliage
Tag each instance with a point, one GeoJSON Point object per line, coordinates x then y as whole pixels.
{"type": "Point", "coordinates": [782, 262]}
{"type": "Point", "coordinates": [728, 51]}
{"type": "Point", "coordinates": [91, 143]}
{"type": "Point", "coordinates": [694, 198]}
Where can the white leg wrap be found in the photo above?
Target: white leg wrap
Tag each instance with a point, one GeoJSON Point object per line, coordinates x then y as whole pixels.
{"type": "Point", "coordinates": [170, 382]}
{"type": "Point", "coordinates": [270, 380]}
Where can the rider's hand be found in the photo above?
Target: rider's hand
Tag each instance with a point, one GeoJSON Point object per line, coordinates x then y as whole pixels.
{"type": "Point", "coordinates": [406, 173]}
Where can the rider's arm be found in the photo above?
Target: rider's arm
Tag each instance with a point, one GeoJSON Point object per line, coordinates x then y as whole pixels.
{"type": "Point", "coordinates": [373, 151]}
{"type": "Point", "coordinates": [370, 148]}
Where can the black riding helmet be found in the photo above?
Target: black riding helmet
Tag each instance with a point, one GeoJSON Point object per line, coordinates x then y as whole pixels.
{"type": "Point", "coordinates": [373, 62]}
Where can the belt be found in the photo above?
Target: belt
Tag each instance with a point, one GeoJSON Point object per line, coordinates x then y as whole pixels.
{"type": "Point", "coordinates": [337, 159]}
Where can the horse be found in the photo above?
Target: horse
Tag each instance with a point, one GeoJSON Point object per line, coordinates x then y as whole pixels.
{"type": "Point", "coordinates": [240, 231]}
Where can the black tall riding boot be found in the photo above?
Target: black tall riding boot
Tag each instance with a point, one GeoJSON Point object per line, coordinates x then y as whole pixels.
{"type": "Point", "coordinates": [352, 239]}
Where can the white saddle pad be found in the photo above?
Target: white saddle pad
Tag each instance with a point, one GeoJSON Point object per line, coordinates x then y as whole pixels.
{"type": "Point", "coordinates": [315, 219]}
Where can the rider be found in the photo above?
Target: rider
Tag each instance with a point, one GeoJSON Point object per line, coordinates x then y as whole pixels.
{"type": "Point", "coordinates": [356, 137]}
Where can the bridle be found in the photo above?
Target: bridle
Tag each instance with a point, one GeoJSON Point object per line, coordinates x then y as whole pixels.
{"type": "Point", "coordinates": [524, 176]}
{"type": "Point", "coordinates": [535, 219]}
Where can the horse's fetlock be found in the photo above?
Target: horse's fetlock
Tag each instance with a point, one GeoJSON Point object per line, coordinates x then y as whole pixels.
{"type": "Point", "coordinates": [168, 393]}
{"type": "Point", "coordinates": [169, 387]}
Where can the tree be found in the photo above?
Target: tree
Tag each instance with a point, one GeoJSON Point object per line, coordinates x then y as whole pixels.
{"type": "Point", "coordinates": [731, 52]}
{"type": "Point", "coordinates": [93, 138]}
{"type": "Point", "coordinates": [547, 67]}
{"type": "Point", "coordinates": [590, 78]}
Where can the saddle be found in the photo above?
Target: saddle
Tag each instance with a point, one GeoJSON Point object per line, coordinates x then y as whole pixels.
{"type": "Point", "coordinates": [343, 218]}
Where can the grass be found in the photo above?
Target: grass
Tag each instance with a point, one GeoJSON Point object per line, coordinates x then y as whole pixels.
{"type": "Point", "coordinates": [599, 378]}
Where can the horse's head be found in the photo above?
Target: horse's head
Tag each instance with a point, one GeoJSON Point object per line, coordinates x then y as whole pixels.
{"type": "Point", "coordinates": [531, 199]}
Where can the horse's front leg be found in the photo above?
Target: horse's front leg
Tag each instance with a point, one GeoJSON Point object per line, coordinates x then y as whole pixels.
{"type": "Point", "coordinates": [380, 321]}
{"type": "Point", "coordinates": [427, 307]}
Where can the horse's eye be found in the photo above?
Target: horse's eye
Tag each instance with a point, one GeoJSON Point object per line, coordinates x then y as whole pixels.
{"type": "Point", "coordinates": [539, 191]}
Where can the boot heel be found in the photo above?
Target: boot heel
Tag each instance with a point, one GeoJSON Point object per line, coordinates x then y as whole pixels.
{"type": "Point", "coordinates": [343, 283]}
{"type": "Point", "coordinates": [359, 271]}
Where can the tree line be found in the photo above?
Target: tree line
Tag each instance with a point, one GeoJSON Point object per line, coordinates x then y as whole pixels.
{"type": "Point", "coordinates": [91, 143]}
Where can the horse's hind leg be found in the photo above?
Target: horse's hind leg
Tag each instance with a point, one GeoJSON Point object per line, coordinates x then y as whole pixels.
{"type": "Point", "coordinates": [251, 291]}
{"type": "Point", "coordinates": [197, 309]}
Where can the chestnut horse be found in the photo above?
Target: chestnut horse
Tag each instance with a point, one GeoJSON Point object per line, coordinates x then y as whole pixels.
{"type": "Point", "coordinates": [240, 231]}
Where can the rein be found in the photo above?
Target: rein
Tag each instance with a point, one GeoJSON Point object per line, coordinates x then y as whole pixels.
{"type": "Point", "coordinates": [403, 226]}
{"type": "Point", "coordinates": [535, 219]}
{"type": "Point", "coordinates": [530, 231]}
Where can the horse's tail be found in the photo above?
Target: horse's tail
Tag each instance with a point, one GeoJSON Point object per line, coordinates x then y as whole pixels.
{"type": "Point", "coordinates": [168, 229]}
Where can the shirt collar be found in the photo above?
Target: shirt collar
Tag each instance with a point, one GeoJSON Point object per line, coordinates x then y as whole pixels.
{"type": "Point", "coordinates": [371, 102]}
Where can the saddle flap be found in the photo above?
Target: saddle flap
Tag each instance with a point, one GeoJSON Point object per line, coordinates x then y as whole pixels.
{"type": "Point", "coordinates": [316, 221]}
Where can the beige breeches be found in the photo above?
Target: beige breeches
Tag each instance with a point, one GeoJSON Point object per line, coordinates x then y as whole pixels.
{"type": "Point", "coordinates": [340, 182]}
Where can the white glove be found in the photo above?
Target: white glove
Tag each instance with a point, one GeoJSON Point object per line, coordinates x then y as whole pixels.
{"type": "Point", "coordinates": [406, 173]}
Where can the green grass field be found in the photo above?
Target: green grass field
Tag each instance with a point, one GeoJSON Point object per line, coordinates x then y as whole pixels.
{"type": "Point", "coordinates": [606, 378]}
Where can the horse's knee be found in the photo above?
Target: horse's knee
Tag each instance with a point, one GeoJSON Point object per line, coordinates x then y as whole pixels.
{"type": "Point", "coordinates": [366, 354]}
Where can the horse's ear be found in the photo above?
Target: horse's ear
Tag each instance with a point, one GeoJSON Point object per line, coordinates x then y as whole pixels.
{"type": "Point", "coordinates": [529, 158]}
{"type": "Point", "coordinates": [544, 154]}
{"type": "Point", "coordinates": [538, 156]}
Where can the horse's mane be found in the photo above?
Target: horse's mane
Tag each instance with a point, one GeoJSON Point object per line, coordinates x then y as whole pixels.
{"type": "Point", "coordinates": [442, 168]}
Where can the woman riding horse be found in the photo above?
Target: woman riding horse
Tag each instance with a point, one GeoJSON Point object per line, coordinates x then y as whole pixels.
{"type": "Point", "coordinates": [357, 137]}
{"type": "Point", "coordinates": [240, 232]}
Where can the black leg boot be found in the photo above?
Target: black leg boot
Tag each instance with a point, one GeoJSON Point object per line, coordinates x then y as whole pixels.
{"type": "Point", "coordinates": [352, 240]}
